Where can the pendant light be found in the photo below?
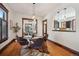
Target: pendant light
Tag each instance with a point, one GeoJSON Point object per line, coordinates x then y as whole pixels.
{"type": "Point", "coordinates": [34, 7]}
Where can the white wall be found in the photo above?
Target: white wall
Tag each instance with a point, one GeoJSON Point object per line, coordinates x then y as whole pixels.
{"type": "Point", "coordinates": [69, 39]}
{"type": "Point", "coordinates": [10, 33]}
{"type": "Point", "coordinates": [39, 27]}
{"type": "Point", "coordinates": [18, 18]}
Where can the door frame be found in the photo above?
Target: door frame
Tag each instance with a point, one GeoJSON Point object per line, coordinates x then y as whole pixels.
{"type": "Point", "coordinates": [23, 24]}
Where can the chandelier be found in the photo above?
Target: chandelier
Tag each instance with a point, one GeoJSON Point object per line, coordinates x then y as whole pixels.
{"type": "Point", "coordinates": [34, 8]}
{"type": "Point", "coordinates": [65, 13]}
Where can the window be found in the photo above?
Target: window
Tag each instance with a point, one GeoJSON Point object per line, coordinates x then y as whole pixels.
{"type": "Point", "coordinates": [3, 23]}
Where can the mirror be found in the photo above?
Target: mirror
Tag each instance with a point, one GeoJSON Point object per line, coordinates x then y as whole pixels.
{"type": "Point", "coordinates": [65, 20]}
{"type": "Point", "coordinates": [29, 26]}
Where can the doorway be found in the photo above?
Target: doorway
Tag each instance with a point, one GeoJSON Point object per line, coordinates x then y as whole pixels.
{"type": "Point", "coordinates": [44, 27]}
{"type": "Point", "coordinates": [29, 27]}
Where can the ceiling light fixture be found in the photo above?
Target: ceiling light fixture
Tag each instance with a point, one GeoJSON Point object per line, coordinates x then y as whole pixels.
{"type": "Point", "coordinates": [34, 7]}
{"type": "Point", "coordinates": [58, 16]}
{"type": "Point", "coordinates": [65, 13]}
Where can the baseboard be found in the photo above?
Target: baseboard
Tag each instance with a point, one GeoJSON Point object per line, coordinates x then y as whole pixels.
{"type": "Point", "coordinates": [6, 46]}
{"type": "Point", "coordinates": [67, 48]}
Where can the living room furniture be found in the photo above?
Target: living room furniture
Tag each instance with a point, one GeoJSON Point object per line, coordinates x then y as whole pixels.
{"type": "Point", "coordinates": [38, 43]}
{"type": "Point", "coordinates": [23, 42]}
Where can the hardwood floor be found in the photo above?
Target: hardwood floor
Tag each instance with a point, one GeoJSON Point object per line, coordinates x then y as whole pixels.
{"type": "Point", "coordinates": [55, 50]}
{"type": "Point", "coordinates": [14, 50]}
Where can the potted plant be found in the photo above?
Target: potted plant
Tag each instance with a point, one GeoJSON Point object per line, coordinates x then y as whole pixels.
{"type": "Point", "coordinates": [15, 29]}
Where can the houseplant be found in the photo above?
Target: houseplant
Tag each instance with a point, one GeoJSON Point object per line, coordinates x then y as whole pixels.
{"type": "Point", "coordinates": [15, 29]}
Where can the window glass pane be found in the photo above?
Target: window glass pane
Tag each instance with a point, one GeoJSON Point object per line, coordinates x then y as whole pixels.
{"type": "Point", "coordinates": [5, 17]}
{"type": "Point", "coordinates": [28, 29]}
{"type": "Point", "coordinates": [1, 14]}
{"type": "Point", "coordinates": [3, 29]}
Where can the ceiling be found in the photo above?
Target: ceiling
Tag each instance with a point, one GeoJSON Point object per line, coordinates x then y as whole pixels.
{"type": "Point", "coordinates": [42, 9]}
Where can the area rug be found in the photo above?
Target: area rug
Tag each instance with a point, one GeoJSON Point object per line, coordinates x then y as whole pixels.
{"type": "Point", "coordinates": [27, 52]}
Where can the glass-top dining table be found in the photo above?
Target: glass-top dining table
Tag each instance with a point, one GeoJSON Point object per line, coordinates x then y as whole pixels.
{"type": "Point", "coordinates": [31, 39]}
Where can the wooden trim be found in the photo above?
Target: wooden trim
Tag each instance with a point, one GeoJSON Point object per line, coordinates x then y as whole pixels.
{"type": "Point", "coordinates": [22, 27]}
{"type": "Point", "coordinates": [66, 48]}
{"type": "Point", "coordinates": [63, 30]}
{"type": "Point", "coordinates": [7, 22]}
{"type": "Point", "coordinates": [6, 46]}
{"type": "Point", "coordinates": [36, 26]}
{"type": "Point", "coordinates": [3, 7]}
{"type": "Point", "coordinates": [26, 19]}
